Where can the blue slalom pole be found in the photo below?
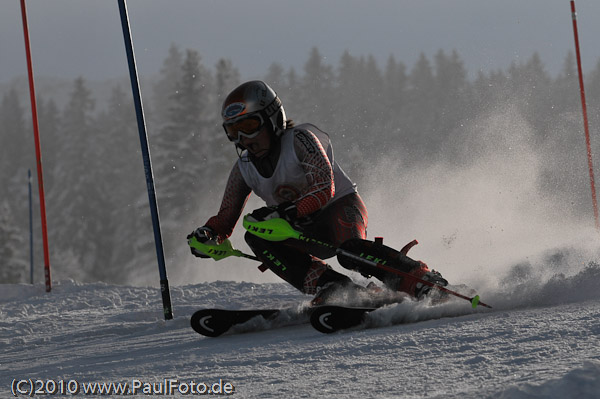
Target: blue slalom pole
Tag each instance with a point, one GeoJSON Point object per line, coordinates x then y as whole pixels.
{"type": "Point", "coordinates": [139, 110]}
{"type": "Point", "coordinates": [30, 228]}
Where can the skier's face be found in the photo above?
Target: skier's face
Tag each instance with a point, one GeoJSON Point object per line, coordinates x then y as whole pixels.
{"type": "Point", "coordinates": [258, 146]}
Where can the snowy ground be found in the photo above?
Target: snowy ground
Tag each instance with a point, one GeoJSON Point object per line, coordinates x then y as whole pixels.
{"type": "Point", "coordinates": [540, 341]}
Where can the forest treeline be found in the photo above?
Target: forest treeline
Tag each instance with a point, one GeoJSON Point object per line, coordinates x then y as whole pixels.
{"type": "Point", "coordinates": [97, 206]}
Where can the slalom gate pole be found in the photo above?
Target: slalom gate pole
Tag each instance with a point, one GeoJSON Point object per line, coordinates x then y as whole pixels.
{"type": "Point", "coordinates": [38, 150]}
{"type": "Point", "coordinates": [137, 98]}
{"type": "Point", "coordinates": [30, 228]}
{"type": "Point", "coordinates": [585, 117]}
{"type": "Point", "coordinates": [280, 229]}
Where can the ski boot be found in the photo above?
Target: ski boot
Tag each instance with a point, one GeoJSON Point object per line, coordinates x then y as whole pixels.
{"type": "Point", "coordinates": [423, 290]}
{"type": "Point", "coordinates": [391, 258]}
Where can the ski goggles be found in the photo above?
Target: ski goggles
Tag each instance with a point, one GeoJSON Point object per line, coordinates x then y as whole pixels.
{"type": "Point", "coordinates": [248, 126]}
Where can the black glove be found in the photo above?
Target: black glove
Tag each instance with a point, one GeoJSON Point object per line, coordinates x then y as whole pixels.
{"type": "Point", "coordinates": [287, 211]}
{"type": "Point", "coordinates": [203, 234]}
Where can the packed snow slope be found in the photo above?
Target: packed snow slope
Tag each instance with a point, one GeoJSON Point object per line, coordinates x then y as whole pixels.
{"type": "Point", "coordinates": [539, 341]}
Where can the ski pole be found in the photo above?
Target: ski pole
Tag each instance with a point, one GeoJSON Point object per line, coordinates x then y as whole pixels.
{"type": "Point", "coordinates": [279, 229]}
{"type": "Point", "coordinates": [218, 251]}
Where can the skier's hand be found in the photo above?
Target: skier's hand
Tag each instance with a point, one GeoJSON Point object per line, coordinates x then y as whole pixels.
{"type": "Point", "coordinates": [205, 235]}
{"type": "Point", "coordinates": [287, 211]}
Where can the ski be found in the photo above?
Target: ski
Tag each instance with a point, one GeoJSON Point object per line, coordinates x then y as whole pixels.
{"type": "Point", "coordinates": [216, 322]}
{"type": "Point", "coordinates": [331, 318]}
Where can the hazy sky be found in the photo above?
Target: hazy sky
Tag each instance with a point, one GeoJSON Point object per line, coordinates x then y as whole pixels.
{"type": "Point", "coordinates": [83, 37]}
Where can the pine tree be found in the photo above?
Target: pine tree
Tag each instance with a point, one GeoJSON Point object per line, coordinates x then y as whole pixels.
{"type": "Point", "coordinates": [395, 85]}
{"type": "Point", "coordinates": [593, 99]}
{"type": "Point", "coordinates": [184, 150]}
{"type": "Point", "coordinates": [567, 84]}
{"type": "Point", "coordinates": [49, 120]}
{"type": "Point", "coordinates": [164, 89]}
{"type": "Point", "coordinates": [372, 86]}
{"type": "Point", "coordinates": [418, 112]}
{"type": "Point", "coordinates": [451, 99]}
{"type": "Point", "coordinates": [15, 148]}
{"type": "Point", "coordinates": [394, 100]}
{"type": "Point", "coordinates": [347, 110]}
{"type": "Point", "coordinates": [78, 201]}
{"type": "Point", "coordinates": [539, 103]}
{"type": "Point", "coordinates": [275, 77]}
{"type": "Point", "coordinates": [184, 145]}
{"type": "Point", "coordinates": [289, 95]}
{"type": "Point", "coordinates": [293, 83]}
{"type": "Point", "coordinates": [593, 86]}
{"type": "Point", "coordinates": [222, 151]}
{"type": "Point", "coordinates": [122, 175]}
{"type": "Point", "coordinates": [227, 77]}
{"type": "Point", "coordinates": [316, 90]}
{"type": "Point", "coordinates": [13, 266]}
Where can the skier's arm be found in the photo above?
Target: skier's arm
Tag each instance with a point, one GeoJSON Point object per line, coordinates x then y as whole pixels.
{"type": "Point", "coordinates": [234, 199]}
{"type": "Point", "coordinates": [319, 173]}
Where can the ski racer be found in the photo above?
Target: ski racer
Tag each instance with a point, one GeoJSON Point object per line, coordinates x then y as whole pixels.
{"type": "Point", "coordinates": [292, 168]}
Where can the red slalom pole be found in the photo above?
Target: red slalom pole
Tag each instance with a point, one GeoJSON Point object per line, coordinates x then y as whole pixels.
{"type": "Point", "coordinates": [585, 118]}
{"type": "Point", "coordinates": [38, 150]}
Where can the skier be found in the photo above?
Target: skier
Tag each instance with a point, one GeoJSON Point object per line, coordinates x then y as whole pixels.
{"type": "Point", "coordinates": [293, 170]}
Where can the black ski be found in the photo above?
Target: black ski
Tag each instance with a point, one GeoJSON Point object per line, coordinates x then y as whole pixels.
{"type": "Point", "coordinates": [331, 318]}
{"type": "Point", "coordinates": [214, 322]}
